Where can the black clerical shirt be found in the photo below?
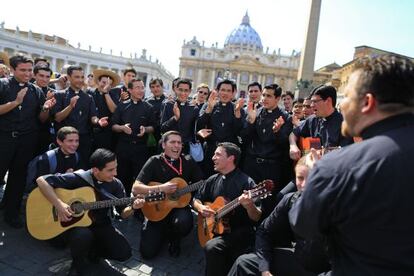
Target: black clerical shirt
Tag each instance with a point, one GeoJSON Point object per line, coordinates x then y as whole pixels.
{"type": "Point", "coordinates": [229, 186]}
{"type": "Point", "coordinates": [262, 142]}
{"type": "Point", "coordinates": [23, 119]}
{"type": "Point", "coordinates": [361, 197]}
{"type": "Point", "coordinates": [327, 129]}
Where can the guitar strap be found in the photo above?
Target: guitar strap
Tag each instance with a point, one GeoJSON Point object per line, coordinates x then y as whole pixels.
{"type": "Point", "coordinates": [87, 176]}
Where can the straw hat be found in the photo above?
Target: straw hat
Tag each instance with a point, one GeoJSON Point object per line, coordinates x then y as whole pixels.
{"type": "Point", "coordinates": [116, 79]}
{"type": "Point", "coordinates": [4, 58]}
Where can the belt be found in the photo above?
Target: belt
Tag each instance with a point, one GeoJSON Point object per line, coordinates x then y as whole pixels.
{"type": "Point", "coordinates": [261, 160]}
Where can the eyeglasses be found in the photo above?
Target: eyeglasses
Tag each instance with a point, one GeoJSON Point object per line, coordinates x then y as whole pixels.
{"type": "Point", "coordinates": [306, 106]}
{"type": "Point", "coordinates": [316, 101]}
{"type": "Point", "coordinates": [203, 92]}
{"type": "Point", "coordinates": [183, 90]}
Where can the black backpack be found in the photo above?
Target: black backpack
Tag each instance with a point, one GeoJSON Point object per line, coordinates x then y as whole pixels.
{"type": "Point", "coordinates": [33, 168]}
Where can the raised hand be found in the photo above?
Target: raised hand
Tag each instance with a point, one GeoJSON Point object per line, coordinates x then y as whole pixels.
{"type": "Point", "coordinates": [176, 111]}
{"type": "Point", "coordinates": [204, 133]}
{"type": "Point", "coordinates": [20, 95]}
{"type": "Point", "coordinates": [49, 103]}
{"type": "Point", "coordinates": [103, 122]}
{"type": "Point", "coordinates": [141, 131]}
{"type": "Point", "coordinates": [127, 129]}
{"type": "Point", "coordinates": [251, 112]}
{"type": "Point", "coordinates": [73, 101]}
{"type": "Point", "coordinates": [277, 124]}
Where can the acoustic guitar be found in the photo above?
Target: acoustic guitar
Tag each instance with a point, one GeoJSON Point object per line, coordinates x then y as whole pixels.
{"type": "Point", "coordinates": [305, 144]}
{"type": "Point", "coordinates": [208, 227]}
{"type": "Point", "coordinates": [42, 218]}
{"type": "Point", "coordinates": [156, 211]}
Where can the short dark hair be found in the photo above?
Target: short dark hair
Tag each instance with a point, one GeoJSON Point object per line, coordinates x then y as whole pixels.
{"type": "Point", "coordinates": [325, 91]}
{"type": "Point", "coordinates": [184, 81]}
{"type": "Point", "coordinates": [129, 70]}
{"type": "Point", "coordinates": [299, 100]}
{"type": "Point", "coordinates": [166, 136]}
{"type": "Point", "coordinates": [131, 82]}
{"type": "Point", "coordinates": [18, 59]}
{"type": "Point", "coordinates": [38, 68]}
{"type": "Point", "coordinates": [389, 78]}
{"type": "Point", "coordinates": [277, 90]}
{"type": "Point", "coordinates": [231, 150]}
{"type": "Point", "coordinates": [255, 83]}
{"type": "Point", "coordinates": [288, 93]}
{"type": "Point", "coordinates": [100, 158]}
{"type": "Point", "coordinates": [227, 81]}
{"type": "Point", "coordinates": [157, 80]}
{"type": "Point", "coordinates": [72, 68]}
{"type": "Point", "coordinates": [36, 60]}
{"type": "Point", "coordinates": [174, 82]}
{"type": "Point", "coordinates": [65, 131]}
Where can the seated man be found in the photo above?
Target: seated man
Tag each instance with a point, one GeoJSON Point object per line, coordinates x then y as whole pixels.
{"type": "Point", "coordinates": [100, 239]}
{"type": "Point", "coordinates": [162, 168]}
{"type": "Point", "coordinates": [230, 183]}
{"type": "Point", "coordinates": [274, 237]}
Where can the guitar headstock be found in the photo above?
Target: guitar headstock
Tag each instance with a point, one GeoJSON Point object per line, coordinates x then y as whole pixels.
{"type": "Point", "coordinates": [263, 189]}
{"type": "Point", "coordinates": [154, 196]}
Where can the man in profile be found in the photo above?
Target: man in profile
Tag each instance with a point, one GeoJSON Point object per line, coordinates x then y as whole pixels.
{"type": "Point", "coordinates": [360, 196]}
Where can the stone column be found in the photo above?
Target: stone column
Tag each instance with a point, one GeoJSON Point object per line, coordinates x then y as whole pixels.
{"type": "Point", "coordinates": [307, 59]}
{"type": "Point", "coordinates": [213, 79]}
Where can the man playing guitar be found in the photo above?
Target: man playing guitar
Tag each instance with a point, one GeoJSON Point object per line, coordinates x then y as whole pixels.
{"type": "Point", "coordinates": [230, 183]}
{"type": "Point", "coordinates": [100, 239]}
{"type": "Point", "coordinates": [162, 168]}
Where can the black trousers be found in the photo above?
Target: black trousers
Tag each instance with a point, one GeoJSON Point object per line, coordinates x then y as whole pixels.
{"type": "Point", "coordinates": [131, 158]}
{"type": "Point", "coordinates": [222, 251]}
{"type": "Point", "coordinates": [96, 241]}
{"type": "Point", "coordinates": [15, 154]}
{"type": "Point", "coordinates": [175, 226]}
{"type": "Point", "coordinates": [284, 263]}
{"type": "Point", "coordinates": [259, 170]}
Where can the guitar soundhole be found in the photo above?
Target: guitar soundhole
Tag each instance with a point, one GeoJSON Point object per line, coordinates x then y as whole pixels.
{"type": "Point", "coordinates": [76, 206]}
{"type": "Point", "coordinates": [173, 197]}
{"type": "Point", "coordinates": [72, 221]}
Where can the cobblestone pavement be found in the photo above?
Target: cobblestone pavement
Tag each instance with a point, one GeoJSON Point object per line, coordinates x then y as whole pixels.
{"type": "Point", "coordinates": [20, 254]}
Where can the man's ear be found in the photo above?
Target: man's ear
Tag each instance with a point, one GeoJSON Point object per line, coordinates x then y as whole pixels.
{"type": "Point", "coordinates": [368, 103]}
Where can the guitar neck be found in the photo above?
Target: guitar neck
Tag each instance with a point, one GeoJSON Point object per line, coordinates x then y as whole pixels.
{"type": "Point", "coordinates": [230, 207]}
{"type": "Point", "coordinates": [108, 203]}
{"type": "Point", "coordinates": [189, 188]}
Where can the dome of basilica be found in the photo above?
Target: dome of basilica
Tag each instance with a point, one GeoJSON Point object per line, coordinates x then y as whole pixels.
{"type": "Point", "coordinates": [244, 37]}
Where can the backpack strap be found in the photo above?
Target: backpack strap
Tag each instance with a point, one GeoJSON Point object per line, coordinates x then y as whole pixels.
{"type": "Point", "coordinates": [51, 157]}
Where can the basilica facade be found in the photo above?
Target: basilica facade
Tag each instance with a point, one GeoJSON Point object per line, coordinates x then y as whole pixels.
{"type": "Point", "coordinates": [242, 59]}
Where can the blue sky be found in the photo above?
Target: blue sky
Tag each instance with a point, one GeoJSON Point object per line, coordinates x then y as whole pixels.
{"type": "Point", "coordinates": [161, 26]}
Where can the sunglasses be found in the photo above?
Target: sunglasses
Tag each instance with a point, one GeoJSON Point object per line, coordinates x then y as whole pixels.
{"type": "Point", "coordinates": [203, 92]}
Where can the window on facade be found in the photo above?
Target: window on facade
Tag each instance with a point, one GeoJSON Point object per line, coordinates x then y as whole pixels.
{"type": "Point", "coordinates": [193, 52]}
{"type": "Point", "coordinates": [255, 77]}
{"type": "Point", "coordinates": [269, 80]}
{"type": "Point", "coordinates": [189, 72]}
{"type": "Point", "coordinates": [244, 78]}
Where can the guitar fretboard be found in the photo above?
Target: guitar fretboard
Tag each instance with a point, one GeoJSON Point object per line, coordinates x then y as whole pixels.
{"type": "Point", "coordinates": [189, 188]}
{"type": "Point", "coordinates": [233, 205]}
{"type": "Point", "coordinates": [108, 203]}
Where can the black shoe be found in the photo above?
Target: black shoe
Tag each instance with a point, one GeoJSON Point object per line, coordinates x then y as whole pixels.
{"type": "Point", "coordinates": [174, 248]}
{"type": "Point", "coordinates": [14, 222]}
{"type": "Point", "coordinates": [108, 270]}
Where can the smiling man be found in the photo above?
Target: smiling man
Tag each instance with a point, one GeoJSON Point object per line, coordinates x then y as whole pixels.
{"type": "Point", "coordinates": [162, 168]}
{"type": "Point", "coordinates": [360, 197]}
{"type": "Point", "coordinates": [325, 124]}
{"type": "Point", "coordinates": [22, 106]}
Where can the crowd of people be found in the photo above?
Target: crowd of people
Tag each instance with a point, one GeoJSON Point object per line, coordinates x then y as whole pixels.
{"type": "Point", "coordinates": [336, 208]}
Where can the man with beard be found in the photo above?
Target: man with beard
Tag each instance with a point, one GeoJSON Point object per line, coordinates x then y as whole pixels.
{"type": "Point", "coordinates": [360, 197]}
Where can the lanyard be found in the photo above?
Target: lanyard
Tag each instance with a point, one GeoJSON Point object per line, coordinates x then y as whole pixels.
{"type": "Point", "coordinates": [179, 172]}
